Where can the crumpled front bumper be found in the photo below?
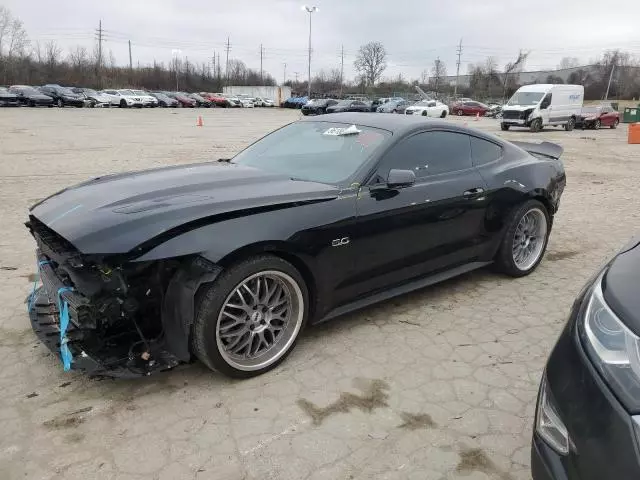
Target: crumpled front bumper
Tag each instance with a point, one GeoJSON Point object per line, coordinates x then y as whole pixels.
{"type": "Point", "coordinates": [110, 358]}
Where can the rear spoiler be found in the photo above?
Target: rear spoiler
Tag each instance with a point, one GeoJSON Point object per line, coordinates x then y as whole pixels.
{"type": "Point", "coordinates": [548, 149]}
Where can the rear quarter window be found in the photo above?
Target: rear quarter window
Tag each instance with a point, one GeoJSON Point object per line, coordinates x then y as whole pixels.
{"type": "Point", "coordinates": [484, 151]}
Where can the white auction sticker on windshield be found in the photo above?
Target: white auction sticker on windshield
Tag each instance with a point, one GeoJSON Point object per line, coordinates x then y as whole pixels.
{"type": "Point", "coordinates": [337, 131]}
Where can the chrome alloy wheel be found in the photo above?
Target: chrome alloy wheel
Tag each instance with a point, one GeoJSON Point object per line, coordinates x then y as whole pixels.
{"type": "Point", "coordinates": [259, 320]}
{"type": "Point", "coordinates": [529, 239]}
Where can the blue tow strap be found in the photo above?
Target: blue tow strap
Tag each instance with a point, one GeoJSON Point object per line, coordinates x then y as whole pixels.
{"type": "Point", "coordinates": [32, 297]}
{"type": "Point", "coordinates": [63, 308]}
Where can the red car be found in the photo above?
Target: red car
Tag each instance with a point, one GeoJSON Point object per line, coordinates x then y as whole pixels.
{"type": "Point", "coordinates": [469, 107]}
{"type": "Point", "coordinates": [598, 116]}
{"type": "Point", "coordinates": [216, 99]}
{"type": "Point", "coordinates": [184, 101]}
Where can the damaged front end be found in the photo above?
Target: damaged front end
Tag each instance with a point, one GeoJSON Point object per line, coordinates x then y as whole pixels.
{"type": "Point", "coordinates": [125, 318]}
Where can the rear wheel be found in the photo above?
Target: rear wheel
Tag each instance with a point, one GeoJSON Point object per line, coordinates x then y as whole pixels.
{"type": "Point", "coordinates": [570, 124]}
{"type": "Point", "coordinates": [525, 239]}
{"type": "Point", "coordinates": [249, 319]}
{"type": "Point", "coordinates": [60, 103]}
{"type": "Point", "coordinates": [123, 104]}
{"type": "Point", "coordinates": [615, 123]}
{"type": "Point", "coordinates": [32, 103]}
{"type": "Point", "coordinates": [443, 114]}
{"type": "Point", "coordinates": [504, 127]}
{"type": "Point", "coordinates": [424, 114]}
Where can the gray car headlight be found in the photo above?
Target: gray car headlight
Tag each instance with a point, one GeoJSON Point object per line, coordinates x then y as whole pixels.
{"type": "Point", "coordinates": [613, 348]}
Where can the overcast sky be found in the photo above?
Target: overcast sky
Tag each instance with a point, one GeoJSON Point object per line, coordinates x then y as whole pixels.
{"type": "Point", "coordinates": [414, 32]}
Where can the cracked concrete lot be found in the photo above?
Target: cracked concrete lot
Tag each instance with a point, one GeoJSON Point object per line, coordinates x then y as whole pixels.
{"type": "Point", "coordinates": [438, 384]}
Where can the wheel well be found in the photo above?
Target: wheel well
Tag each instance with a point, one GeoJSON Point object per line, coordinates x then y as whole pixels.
{"type": "Point", "coordinates": [546, 203]}
{"type": "Point", "coordinates": [290, 257]}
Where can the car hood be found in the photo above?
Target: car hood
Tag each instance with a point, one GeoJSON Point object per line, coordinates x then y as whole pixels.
{"type": "Point", "coordinates": [621, 285]}
{"type": "Point", "coordinates": [116, 213]}
{"type": "Point", "coordinates": [519, 108]}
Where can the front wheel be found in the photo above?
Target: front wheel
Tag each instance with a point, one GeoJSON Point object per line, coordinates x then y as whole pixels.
{"type": "Point", "coordinates": [525, 239]}
{"type": "Point", "coordinates": [536, 125]}
{"type": "Point", "coordinates": [424, 114]}
{"type": "Point", "coordinates": [249, 319]}
{"type": "Point", "coordinates": [459, 113]}
{"type": "Point", "coordinates": [597, 125]}
{"type": "Point", "coordinates": [615, 123]}
{"type": "Point", "coordinates": [443, 114]}
{"type": "Point", "coordinates": [504, 127]}
{"type": "Point", "coordinates": [60, 103]}
{"type": "Point", "coordinates": [123, 104]}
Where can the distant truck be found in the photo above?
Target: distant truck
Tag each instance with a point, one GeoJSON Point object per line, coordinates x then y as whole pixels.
{"type": "Point", "coordinates": [540, 105]}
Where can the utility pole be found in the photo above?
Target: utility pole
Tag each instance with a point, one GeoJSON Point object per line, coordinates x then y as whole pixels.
{"type": "Point", "coordinates": [261, 52]}
{"type": "Point", "coordinates": [613, 67]}
{"type": "Point", "coordinates": [99, 62]}
{"type": "Point", "coordinates": [296, 74]}
{"type": "Point", "coordinates": [310, 11]}
{"type": "Point", "coordinates": [455, 88]}
{"type": "Point", "coordinates": [219, 69]}
{"type": "Point", "coordinates": [341, 68]}
{"type": "Point", "coordinates": [130, 58]}
{"type": "Point", "coordinates": [226, 69]}
{"type": "Point", "coordinates": [284, 75]}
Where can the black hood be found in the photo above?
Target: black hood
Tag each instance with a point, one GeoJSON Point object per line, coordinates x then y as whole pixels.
{"type": "Point", "coordinates": [116, 213]}
{"type": "Point", "coordinates": [621, 286]}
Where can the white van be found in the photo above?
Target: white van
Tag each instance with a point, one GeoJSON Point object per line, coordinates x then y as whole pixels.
{"type": "Point", "coordinates": [541, 105]}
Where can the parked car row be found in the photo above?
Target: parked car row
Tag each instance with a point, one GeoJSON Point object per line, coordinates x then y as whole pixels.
{"type": "Point", "coordinates": [431, 108]}
{"type": "Point", "coordinates": [56, 95]}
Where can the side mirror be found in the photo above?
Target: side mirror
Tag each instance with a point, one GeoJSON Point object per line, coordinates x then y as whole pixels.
{"type": "Point", "coordinates": [400, 178]}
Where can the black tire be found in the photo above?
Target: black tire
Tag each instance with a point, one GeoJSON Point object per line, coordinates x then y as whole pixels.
{"type": "Point", "coordinates": [536, 125]}
{"type": "Point", "coordinates": [60, 103]}
{"type": "Point", "coordinates": [443, 114]}
{"type": "Point", "coordinates": [32, 103]}
{"type": "Point", "coordinates": [504, 261]}
{"type": "Point", "coordinates": [570, 125]}
{"type": "Point", "coordinates": [615, 124]}
{"type": "Point", "coordinates": [424, 114]}
{"type": "Point", "coordinates": [123, 104]}
{"type": "Point", "coordinates": [212, 298]}
{"type": "Point", "coordinates": [504, 127]}
{"type": "Point", "coordinates": [597, 125]}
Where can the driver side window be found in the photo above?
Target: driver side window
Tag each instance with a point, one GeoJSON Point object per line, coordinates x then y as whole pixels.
{"type": "Point", "coordinates": [428, 154]}
{"type": "Point", "coordinates": [546, 101]}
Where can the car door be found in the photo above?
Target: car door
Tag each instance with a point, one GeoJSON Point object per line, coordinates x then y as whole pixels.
{"type": "Point", "coordinates": [405, 233]}
{"type": "Point", "coordinates": [606, 116]}
{"type": "Point", "coordinates": [546, 110]}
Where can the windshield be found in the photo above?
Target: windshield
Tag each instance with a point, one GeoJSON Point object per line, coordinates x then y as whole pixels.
{"type": "Point", "coordinates": [28, 90]}
{"type": "Point", "coordinates": [314, 151]}
{"type": "Point", "coordinates": [66, 91]}
{"type": "Point", "coordinates": [88, 91]}
{"type": "Point", "coordinates": [525, 98]}
{"type": "Point", "coordinates": [426, 103]}
{"type": "Point", "coordinates": [139, 92]}
{"type": "Point", "coordinates": [591, 110]}
{"type": "Point", "coordinates": [4, 90]}
{"type": "Point", "coordinates": [344, 103]}
{"type": "Point", "coordinates": [126, 92]}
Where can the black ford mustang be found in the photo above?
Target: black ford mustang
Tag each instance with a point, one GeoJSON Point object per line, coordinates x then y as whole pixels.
{"type": "Point", "coordinates": [228, 261]}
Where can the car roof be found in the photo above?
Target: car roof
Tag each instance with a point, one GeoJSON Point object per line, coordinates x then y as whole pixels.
{"type": "Point", "coordinates": [396, 124]}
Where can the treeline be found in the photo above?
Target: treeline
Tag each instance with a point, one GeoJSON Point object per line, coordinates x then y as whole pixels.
{"type": "Point", "coordinates": [22, 62]}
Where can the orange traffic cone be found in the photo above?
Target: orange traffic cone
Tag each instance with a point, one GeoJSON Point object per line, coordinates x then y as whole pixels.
{"type": "Point", "coordinates": [199, 123]}
{"type": "Point", "coordinates": [477, 116]}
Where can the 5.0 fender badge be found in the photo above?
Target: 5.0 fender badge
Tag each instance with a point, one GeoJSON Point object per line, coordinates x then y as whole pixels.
{"type": "Point", "coordinates": [338, 242]}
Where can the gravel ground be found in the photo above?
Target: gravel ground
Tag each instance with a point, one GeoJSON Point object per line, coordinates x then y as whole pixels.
{"type": "Point", "coordinates": [438, 384]}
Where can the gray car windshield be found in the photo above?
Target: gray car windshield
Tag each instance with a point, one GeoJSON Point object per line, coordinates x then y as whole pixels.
{"type": "Point", "coordinates": [525, 98]}
{"type": "Point", "coordinates": [324, 152]}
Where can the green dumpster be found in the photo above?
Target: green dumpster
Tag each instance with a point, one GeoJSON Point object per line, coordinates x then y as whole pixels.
{"type": "Point", "coordinates": [631, 114]}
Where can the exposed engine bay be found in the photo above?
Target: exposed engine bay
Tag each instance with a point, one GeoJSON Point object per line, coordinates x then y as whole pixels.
{"type": "Point", "coordinates": [114, 309]}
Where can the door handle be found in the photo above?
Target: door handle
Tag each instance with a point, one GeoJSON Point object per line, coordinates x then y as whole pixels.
{"type": "Point", "coordinates": [473, 193]}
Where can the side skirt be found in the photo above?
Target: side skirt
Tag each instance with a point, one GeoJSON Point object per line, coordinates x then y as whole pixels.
{"type": "Point", "coordinates": [401, 290]}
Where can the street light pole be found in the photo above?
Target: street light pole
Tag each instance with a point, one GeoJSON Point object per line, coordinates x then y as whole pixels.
{"type": "Point", "coordinates": [176, 54]}
{"type": "Point", "coordinates": [310, 10]}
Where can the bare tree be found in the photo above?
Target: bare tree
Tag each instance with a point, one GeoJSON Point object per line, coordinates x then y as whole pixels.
{"type": "Point", "coordinates": [512, 68]}
{"type": "Point", "coordinates": [79, 58]}
{"type": "Point", "coordinates": [17, 39]}
{"type": "Point", "coordinates": [5, 23]}
{"type": "Point", "coordinates": [438, 72]}
{"type": "Point", "coordinates": [568, 62]}
{"type": "Point", "coordinates": [371, 62]}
